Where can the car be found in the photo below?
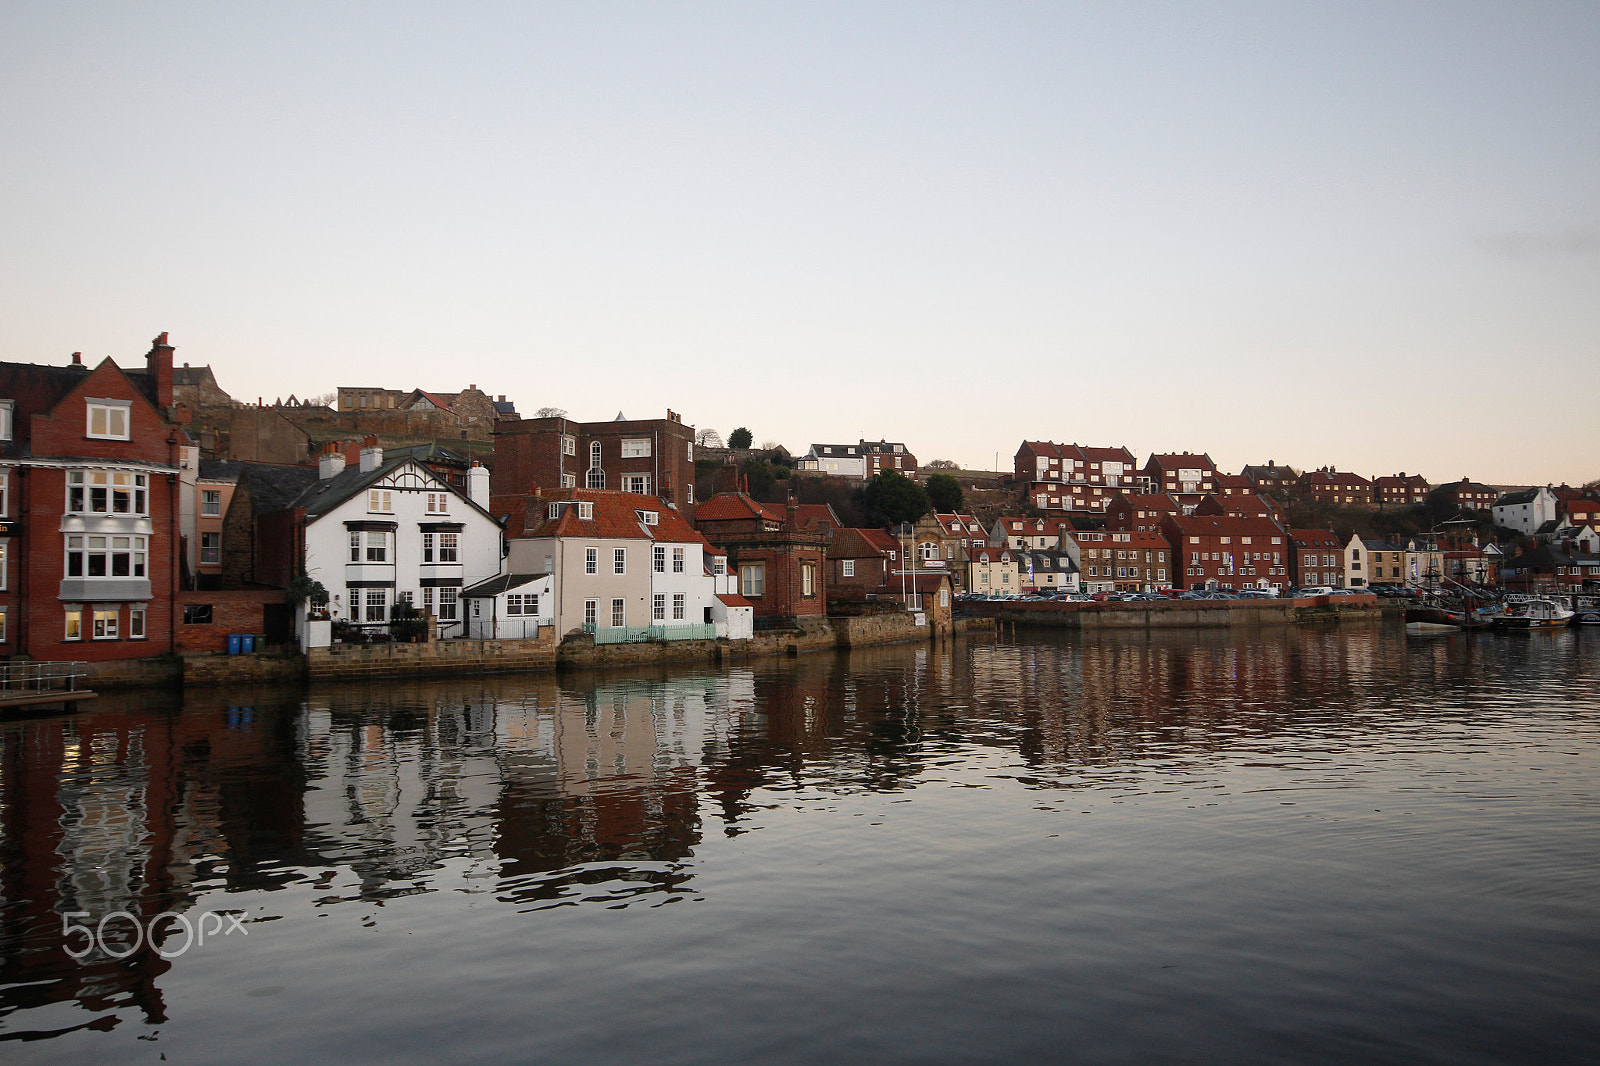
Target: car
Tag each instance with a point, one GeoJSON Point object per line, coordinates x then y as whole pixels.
{"type": "Point", "coordinates": [1316, 590]}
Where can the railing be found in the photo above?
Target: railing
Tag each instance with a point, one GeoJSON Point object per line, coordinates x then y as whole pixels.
{"type": "Point", "coordinates": [641, 634]}
{"type": "Point", "coordinates": [17, 677]}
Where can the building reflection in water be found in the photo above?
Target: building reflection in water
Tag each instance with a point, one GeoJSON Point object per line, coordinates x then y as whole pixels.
{"type": "Point", "coordinates": [552, 791]}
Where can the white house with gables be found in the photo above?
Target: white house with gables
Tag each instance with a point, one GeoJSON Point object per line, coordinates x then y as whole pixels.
{"type": "Point", "coordinates": [393, 531]}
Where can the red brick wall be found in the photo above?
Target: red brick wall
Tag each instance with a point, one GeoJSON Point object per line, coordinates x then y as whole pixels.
{"type": "Point", "coordinates": [231, 612]}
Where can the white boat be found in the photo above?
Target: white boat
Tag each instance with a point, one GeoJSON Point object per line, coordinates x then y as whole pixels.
{"type": "Point", "coordinates": [1533, 614]}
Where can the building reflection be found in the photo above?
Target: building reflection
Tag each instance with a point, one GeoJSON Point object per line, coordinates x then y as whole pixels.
{"type": "Point", "coordinates": [554, 790]}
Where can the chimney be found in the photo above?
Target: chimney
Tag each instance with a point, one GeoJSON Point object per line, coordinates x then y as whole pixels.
{"type": "Point", "coordinates": [728, 476]}
{"type": "Point", "coordinates": [791, 518]}
{"type": "Point", "coordinates": [478, 485]}
{"type": "Point", "coordinates": [371, 455]}
{"type": "Point", "coordinates": [159, 365]}
{"type": "Point", "coordinates": [77, 360]}
{"type": "Point", "coordinates": [331, 462]}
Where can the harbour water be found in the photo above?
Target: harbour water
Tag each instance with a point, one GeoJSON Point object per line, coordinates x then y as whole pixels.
{"type": "Point", "coordinates": [1284, 845]}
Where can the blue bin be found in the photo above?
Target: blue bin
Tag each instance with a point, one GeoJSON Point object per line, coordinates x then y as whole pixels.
{"type": "Point", "coordinates": [234, 643]}
{"type": "Point", "coordinates": [247, 643]}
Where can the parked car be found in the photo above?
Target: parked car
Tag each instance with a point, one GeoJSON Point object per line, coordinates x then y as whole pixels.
{"type": "Point", "coordinates": [1315, 590]}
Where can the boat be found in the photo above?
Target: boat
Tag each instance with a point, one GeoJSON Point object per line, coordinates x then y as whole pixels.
{"type": "Point", "coordinates": [1533, 614]}
{"type": "Point", "coordinates": [1439, 613]}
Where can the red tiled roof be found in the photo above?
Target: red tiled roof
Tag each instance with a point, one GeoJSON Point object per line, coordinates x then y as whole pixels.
{"type": "Point", "coordinates": [733, 600]}
{"type": "Point", "coordinates": [732, 506]}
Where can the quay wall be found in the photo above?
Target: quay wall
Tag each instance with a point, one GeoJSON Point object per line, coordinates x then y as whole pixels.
{"type": "Point", "coordinates": [1180, 614]}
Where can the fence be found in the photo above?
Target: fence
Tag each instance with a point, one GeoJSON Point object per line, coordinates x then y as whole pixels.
{"type": "Point", "coordinates": [25, 681]}
{"type": "Point", "coordinates": [641, 634]}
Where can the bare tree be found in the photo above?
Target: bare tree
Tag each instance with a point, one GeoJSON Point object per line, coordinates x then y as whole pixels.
{"type": "Point", "coordinates": [708, 438]}
{"type": "Point", "coordinates": [770, 445]}
{"type": "Point", "coordinates": [940, 464]}
{"type": "Point", "coordinates": [550, 412]}
{"type": "Point", "coordinates": [324, 399]}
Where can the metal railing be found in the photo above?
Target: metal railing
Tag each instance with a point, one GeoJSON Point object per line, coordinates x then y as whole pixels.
{"type": "Point", "coordinates": [641, 634]}
{"type": "Point", "coordinates": [24, 676]}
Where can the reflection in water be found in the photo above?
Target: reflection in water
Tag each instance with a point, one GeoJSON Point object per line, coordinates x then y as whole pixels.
{"type": "Point", "coordinates": [593, 792]}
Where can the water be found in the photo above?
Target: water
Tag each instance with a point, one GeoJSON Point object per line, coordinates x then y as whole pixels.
{"type": "Point", "coordinates": [1284, 845]}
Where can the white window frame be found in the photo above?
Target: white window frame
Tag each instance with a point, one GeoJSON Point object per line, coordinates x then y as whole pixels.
{"type": "Point", "coordinates": [636, 447]}
{"type": "Point", "coordinates": [658, 558]}
{"type": "Point", "coordinates": [658, 607]}
{"type": "Point", "coordinates": [83, 548]}
{"type": "Point", "coordinates": [448, 608]}
{"type": "Point", "coordinates": [113, 487]}
{"type": "Point", "coordinates": [619, 560]}
{"type": "Point", "coordinates": [7, 416]}
{"type": "Point", "coordinates": [752, 580]}
{"type": "Point", "coordinates": [210, 555]}
{"type": "Point", "coordinates": [677, 560]}
{"type": "Point", "coordinates": [619, 613]}
{"type": "Point", "coordinates": [438, 503]}
{"type": "Point", "coordinates": [374, 606]}
{"type": "Point", "coordinates": [115, 417]}
{"type": "Point", "coordinates": [591, 612]}
{"type": "Point", "coordinates": [847, 568]}
{"type": "Point", "coordinates": [211, 503]}
{"type": "Point", "coordinates": [591, 560]}
{"type": "Point", "coordinates": [380, 501]}
{"type": "Point", "coordinates": [678, 603]}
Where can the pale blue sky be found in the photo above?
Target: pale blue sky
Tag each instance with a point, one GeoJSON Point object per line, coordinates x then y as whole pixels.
{"type": "Point", "coordinates": [1364, 234]}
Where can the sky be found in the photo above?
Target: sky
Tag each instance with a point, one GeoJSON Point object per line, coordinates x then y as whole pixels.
{"type": "Point", "coordinates": [1364, 235]}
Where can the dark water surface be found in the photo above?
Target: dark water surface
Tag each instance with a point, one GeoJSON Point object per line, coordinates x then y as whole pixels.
{"type": "Point", "coordinates": [1275, 846]}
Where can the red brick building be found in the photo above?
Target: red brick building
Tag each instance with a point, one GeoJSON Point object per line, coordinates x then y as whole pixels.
{"type": "Point", "coordinates": [1469, 495]}
{"type": "Point", "coordinates": [859, 562]}
{"type": "Point", "coordinates": [89, 556]}
{"type": "Point", "coordinates": [652, 457]}
{"type": "Point", "coordinates": [1140, 511]}
{"type": "Point", "coordinates": [781, 568]}
{"type": "Point", "coordinates": [1399, 490]}
{"type": "Point", "coordinates": [1315, 558]}
{"type": "Point", "coordinates": [1327, 485]}
{"type": "Point", "coordinates": [1072, 477]}
{"type": "Point", "coordinates": [1181, 472]}
{"type": "Point", "coordinates": [1227, 551]}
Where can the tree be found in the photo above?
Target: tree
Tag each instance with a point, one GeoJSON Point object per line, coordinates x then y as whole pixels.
{"type": "Point", "coordinates": [550, 412]}
{"type": "Point", "coordinates": [708, 438]}
{"type": "Point", "coordinates": [759, 477]}
{"type": "Point", "coordinates": [894, 498]}
{"type": "Point", "coordinates": [740, 438]}
{"type": "Point", "coordinates": [944, 493]}
{"type": "Point", "coordinates": [940, 464]}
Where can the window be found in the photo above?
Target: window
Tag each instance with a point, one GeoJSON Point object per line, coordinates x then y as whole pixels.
{"type": "Point", "coordinates": [591, 560]}
{"type": "Point", "coordinates": [569, 445]}
{"type": "Point", "coordinates": [596, 479]}
{"type": "Point", "coordinates": [719, 566]}
{"type": "Point", "coordinates": [944, 597]}
{"type": "Point", "coordinates": [847, 568]}
{"type": "Point", "coordinates": [197, 614]}
{"type": "Point", "coordinates": [107, 492]}
{"type": "Point", "coordinates": [752, 580]}
{"type": "Point", "coordinates": [449, 604]}
{"type": "Point", "coordinates": [108, 419]}
{"type": "Point", "coordinates": [210, 548]}
{"type": "Point", "coordinates": [377, 603]}
{"type": "Point", "coordinates": [440, 547]}
{"type": "Point", "coordinates": [380, 501]}
{"type": "Point", "coordinates": [808, 580]}
{"type": "Point", "coordinates": [371, 546]}
{"type": "Point", "coordinates": [569, 481]}
{"type": "Point", "coordinates": [677, 560]}
{"type": "Point", "coordinates": [619, 613]}
{"type": "Point", "coordinates": [4, 559]}
{"type": "Point", "coordinates": [519, 603]}
{"type": "Point", "coordinates": [658, 607]}
{"type": "Point", "coordinates": [677, 608]}
{"type": "Point", "coordinates": [438, 503]}
{"type": "Point", "coordinates": [3, 636]}
{"type": "Point", "coordinates": [105, 622]}
{"type": "Point", "coordinates": [591, 610]}
{"type": "Point", "coordinates": [5, 430]}
{"type": "Point", "coordinates": [636, 448]}
{"type": "Point", "coordinates": [639, 483]}
{"type": "Point", "coordinates": [211, 501]}
{"type": "Point", "coordinates": [619, 560]}
{"type": "Point", "coordinates": [659, 559]}
{"type": "Point", "coordinates": [649, 518]}
{"type": "Point", "coordinates": [594, 455]}
{"type": "Point", "coordinates": [96, 556]}
{"type": "Point", "coordinates": [74, 629]}
{"type": "Point", "coordinates": [585, 511]}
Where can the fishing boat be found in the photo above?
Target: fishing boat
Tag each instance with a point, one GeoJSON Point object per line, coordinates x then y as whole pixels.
{"type": "Point", "coordinates": [1533, 614]}
{"type": "Point", "coordinates": [1439, 613]}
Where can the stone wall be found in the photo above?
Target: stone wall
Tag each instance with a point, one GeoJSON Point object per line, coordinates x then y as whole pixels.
{"type": "Point", "coordinates": [1178, 614]}
{"type": "Point", "coordinates": [438, 658]}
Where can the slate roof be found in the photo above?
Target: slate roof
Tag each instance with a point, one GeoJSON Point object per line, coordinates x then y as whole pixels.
{"type": "Point", "coordinates": [220, 470]}
{"type": "Point", "coordinates": [494, 586]}
{"type": "Point", "coordinates": [273, 487]}
{"type": "Point", "coordinates": [1513, 499]}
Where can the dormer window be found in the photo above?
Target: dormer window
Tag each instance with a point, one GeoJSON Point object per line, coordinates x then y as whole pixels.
{"type": "Point", "coordinates": [585, 510]}
{"type": "Point", "coordinates": [555, 510]}
{"type": "Point", "coordinates": [108, 419]}
{"type": "Point", "coordinates": [649, 518]}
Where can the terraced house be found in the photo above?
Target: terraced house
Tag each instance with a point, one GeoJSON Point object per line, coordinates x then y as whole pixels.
{"type": "Point", "coordinates": [89, 544]}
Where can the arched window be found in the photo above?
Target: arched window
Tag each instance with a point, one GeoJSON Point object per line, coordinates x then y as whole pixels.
{"type": "Point", "coordinates": [594, 456]}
